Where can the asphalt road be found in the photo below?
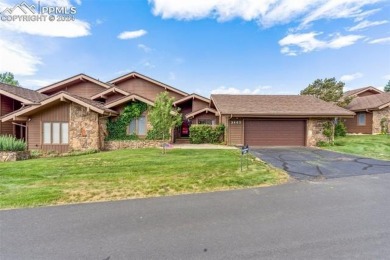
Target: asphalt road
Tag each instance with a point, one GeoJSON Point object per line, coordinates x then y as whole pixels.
{"type": "Point", "coordinates": [305, 163]}
{"type": "Point", "coordinates": [343, 218]}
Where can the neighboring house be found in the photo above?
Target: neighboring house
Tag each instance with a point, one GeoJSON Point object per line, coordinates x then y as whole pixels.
{"type": "Point", "coordinates": [72, 114]}
{"type": "Point", "coordinates": [275, 120]}
{"type": "Point", "coordinates": [371, 105]}
{"type": "Point", "coordinates": [370, 111]}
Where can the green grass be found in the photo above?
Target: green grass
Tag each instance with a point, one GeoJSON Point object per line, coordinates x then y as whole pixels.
{"type": "Point", "coordinates": [374, 146]}
{"type": "Point", "coordinates": [127, 174]}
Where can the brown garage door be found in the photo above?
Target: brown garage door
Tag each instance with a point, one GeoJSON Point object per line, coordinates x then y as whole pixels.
{"type": "Point", "coordinates": [275, 132]}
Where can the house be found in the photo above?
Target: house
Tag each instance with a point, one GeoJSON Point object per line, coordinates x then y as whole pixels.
{"type": "Point", "coordinates": [371, 106]}
{"type": "Point", "coordinates": [72, 114]}
{"type": "Point", "coordinates": [275, 120]}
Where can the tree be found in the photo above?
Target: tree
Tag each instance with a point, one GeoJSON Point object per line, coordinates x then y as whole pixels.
{"type": "Point", "coordinates": [163, 116]}
{"type": "Point", "coordinates": [8, 78]}
{"type": "Point", "coordinates": [327, 89]}
{"type": "Point", "coordinates": [387, 87]}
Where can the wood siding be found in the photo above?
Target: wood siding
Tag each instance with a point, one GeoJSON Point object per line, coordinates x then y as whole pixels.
{"type": "Point", "coordinates": [275, 132]}
{"type": "Point", "coordinates": [198, 104]}
{"type": "Point", "coordinates": [367, 93]}
{"type": "Point", "coordinates": [145, 88]}
{"type": "Point", "coordinates": [114, 97]}
{"type": "Point", "coordinates": [7, 105]}
{"type": "Point", "coordinates": [83, 89]}
{"type": "Point", "coordinates": [354, 128]}
{"type": "Point", "coordinates": [236, 131]}
{"type": "Point", "coordinates": [205, 116]}
{"type": "Point", "coordinates": [57, 113]}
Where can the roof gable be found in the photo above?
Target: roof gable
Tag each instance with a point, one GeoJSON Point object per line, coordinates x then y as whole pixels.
{"type": "Point", "coordinates": [192, 96]}
{"type": "Point", "coordinates": [23, 95]}
{"type": "Point", "coordinates": [277, 106]}
{"type": "Point", "coordinates": [372, 102]}
{"type": "Point", "coordinates": [128, 98]}
{"type": "Point", "coordinates": [112, 90]}
{"type": "Point", "coordinates": [71, 81]}
{"type": "Point", "coordinates": [356, 92]}
{"type": "Point", "coordinates": [60, 96]}
{"type": "Point", "coordinates": [133, 75]}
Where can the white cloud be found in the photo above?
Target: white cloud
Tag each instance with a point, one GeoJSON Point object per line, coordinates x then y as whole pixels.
{"type": "Point", "coordinates": [144, 48]}
{"type": "Point", "coordinates": [67, 29]}
{"type": "Point", "coordinates": [37, 83]}
{"type": "Point", "coordinates": [385, 40]}
{"type": "Point", "coordinates": [236, 91]}
{"type": "Point", "coordinates": [132, 34]}
{"type": "Point", "coordinates": [148, 64]}
{"type": "Point", "coordinates": [99, 21]}
{"type": "Point", "coordinates": [265, 12]}
{"type": "Point", "coordinates": [19, 60]}
{"type": "Point", "coordinates": [350, 77]}
{"type": "Point", "coordinates": [387, 76]}
{"type": "Point", "coordinates": [365, 24]}
{"type": "Point", "coordinates": [293, 44]}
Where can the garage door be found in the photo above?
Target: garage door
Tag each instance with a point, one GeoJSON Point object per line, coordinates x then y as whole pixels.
{"type": "Point", "coordinates": [275, 132]}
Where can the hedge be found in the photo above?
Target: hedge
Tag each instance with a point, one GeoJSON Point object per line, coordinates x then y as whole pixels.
{"type": "Point", "coordinates": [201, 134]}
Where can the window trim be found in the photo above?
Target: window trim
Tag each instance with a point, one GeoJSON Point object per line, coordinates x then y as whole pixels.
{"type": "Point", "coordinates": [51, 132]}
{"type": "Point", "coordinates": [358, 119]}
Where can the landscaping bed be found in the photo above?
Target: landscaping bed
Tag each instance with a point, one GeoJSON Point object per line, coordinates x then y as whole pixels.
{"type": "Point", "coordinates": [374, 146]}
{"type": "Point", "coordinates": [128, 174]}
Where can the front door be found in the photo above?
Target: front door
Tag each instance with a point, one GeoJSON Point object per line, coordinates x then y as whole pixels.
{"type": "Point", "coordinates": [185, 129]}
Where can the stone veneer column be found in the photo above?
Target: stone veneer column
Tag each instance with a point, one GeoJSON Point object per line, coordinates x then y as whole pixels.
{"type": "Point", "coordinates": [83, 129]}
{"type": "Point", "coordinates": [315, 129]}
{"type": "Point", "coordinates": [377, 117]}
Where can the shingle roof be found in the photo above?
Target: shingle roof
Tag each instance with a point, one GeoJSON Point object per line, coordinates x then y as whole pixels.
{"type": "Point", "coordinates": [371, 102]}
{"type": "Point", "coordinates": [276, 105]}
{"type": "Point", "coordinates": [23, 93]}
{"type": "Point", "coordinates": [359, 90]}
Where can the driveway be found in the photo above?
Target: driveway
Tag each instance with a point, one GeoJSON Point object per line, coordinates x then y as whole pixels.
{"type": "Point", "coordinates": [342, 218]}
{"type": "Point", "coordinates": [304, 163]}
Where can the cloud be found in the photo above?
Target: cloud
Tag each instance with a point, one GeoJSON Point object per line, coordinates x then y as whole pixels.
{"type": "Point", "coordinates": [37, 83]}
{"type": "Point", "coordinates": [144, 48]}
{"type": "Point", "coordinates": [99, 21]}
{"type": "Point", "coordinates": [386, 77]}
{"type": "Point", "coordinates": [365, 24]}
{"type": "Point", "coordinates": [385, 40]}
{"type": "Point", "coordinates": [267, 12]}
{"type": "Point", "coordinates": [67, 29]}
{"type": "Point", "coordinates": [19, 60]}
{"type": "Point", "coordinates": [132, 34]}
{"type": "Point", "coordinates": [236, 91]}
{"type": "Point", "coordinates": [350, 77]}
{"type": "Point", "coordinates": [148, 64]}
{"type": "Point", "coordinates": [294, 44]}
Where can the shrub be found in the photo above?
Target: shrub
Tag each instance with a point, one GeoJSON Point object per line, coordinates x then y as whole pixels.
{"type": "Point", "coordinates": [340, 129]}
{"type": "Point", "coordinates": [10, 143]}
{"type": "Point", "coordinates": [322, 144]}
{"type": "Point", "coordinates": [200, 134]}
{"type": "Point", "coordinates": [156, 135]}
{"type": "Point", "coordinates": [384, 125]}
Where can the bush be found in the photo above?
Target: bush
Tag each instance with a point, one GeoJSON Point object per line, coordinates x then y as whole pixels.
{"type": "Point", "coordinates": [155, 135]}
{"type": "Point", "coordinates": [340, 129]}
{"type": "Point", "coordinates": [384, 125]}
{"type": "Point", "coordinates": [10, 143]}
{"type": "Point", "coordinates": [201, 134]}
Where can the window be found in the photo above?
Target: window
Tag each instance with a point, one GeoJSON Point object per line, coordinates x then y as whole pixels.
{"type": "Point", "coordinates": [55, 133]}
{"type": "Point", "coordinates": [138, 126]}
{"type": "Point", "coordinates": [361, 118]}
{"type": "Point", "coordinates": [205, 122]}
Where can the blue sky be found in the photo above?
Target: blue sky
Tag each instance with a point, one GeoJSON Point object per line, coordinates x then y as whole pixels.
{"type": "Point", "coordinates": [213, 46]}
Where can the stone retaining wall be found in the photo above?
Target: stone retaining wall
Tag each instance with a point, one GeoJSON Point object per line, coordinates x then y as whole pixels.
{"type": "Point", "coordinates": [377, 117]}
{"type": "Point", "coordinates": [131, 144]}
{"type": "Point", "coordinates": [14, 156]}
{"type": "Point", "coordinates": [315, 128]}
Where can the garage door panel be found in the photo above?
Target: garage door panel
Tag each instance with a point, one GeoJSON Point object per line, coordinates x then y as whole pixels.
{"type": "Point", "coordinates": [275, 132]}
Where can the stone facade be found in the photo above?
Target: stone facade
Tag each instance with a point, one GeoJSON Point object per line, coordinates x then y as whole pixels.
{"type": "Point", "coordinates": [14, 156]}
{"type": "Point", "coordinates": [377, 117]}
{"type": "Point", "coordinates": [315, 129]}
{"type": "Point", "coordinates": [83, 129]}
{"type": "Point", "coordinates": [131, 144]}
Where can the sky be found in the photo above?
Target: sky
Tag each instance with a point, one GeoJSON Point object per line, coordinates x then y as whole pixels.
{"type": "Point", "coordinates": [204, 46]}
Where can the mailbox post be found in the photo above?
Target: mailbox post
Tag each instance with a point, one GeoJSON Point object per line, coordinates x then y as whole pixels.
{"type": "Point", "coordinates": [244, 150]}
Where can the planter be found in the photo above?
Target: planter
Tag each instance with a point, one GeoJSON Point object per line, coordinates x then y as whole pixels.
{"type": "Point", "coordinates": [131, 144]}
{"type": "Point", "coordinates": [14, 156]}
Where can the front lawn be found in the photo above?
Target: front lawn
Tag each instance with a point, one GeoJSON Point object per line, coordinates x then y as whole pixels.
{"type": "Point", "coordinates": [375, 146]}
{"type": "Point", "coordinates": [127, 174]}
